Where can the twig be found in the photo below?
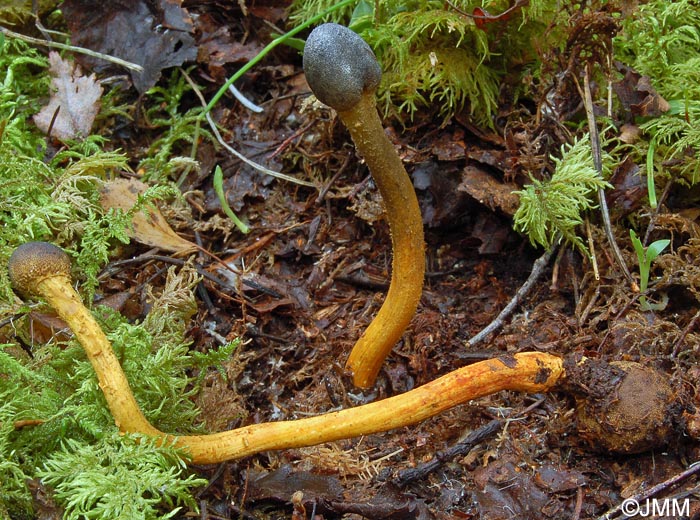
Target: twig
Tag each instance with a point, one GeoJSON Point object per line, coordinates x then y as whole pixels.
{"type": "Point", "coordinates": [325, 189]}
{"type": "Point", "coordinates": [598, 163]}
{"type": "Point", "coordinates": [290, 139]}
{"type": "Point", "coordinates": [235, 152]}
{"type": "Point", "coordinates": [253, 164]}
{"type": "Point", "coordinates": [648, 493]}
{"type": "Point", "coordinates": [168, 260]}
{"type": "Point", "coordinates": [591, 248]}
{"type": "Point", "coordinates": [461, 448]}
{"type": "Point", "coordinates": [579, 503]}
{"type": "Point", "coordinates": [73, 48]}
{"type": "Point", "coordinates": [497, 323]}
{"type": "Point", "coordinates": [677, 344]}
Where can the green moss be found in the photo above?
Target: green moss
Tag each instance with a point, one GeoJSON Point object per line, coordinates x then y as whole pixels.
{"type": "Point", "coordinates": [23, 83]}
{"type": "Point", "coordinates": [121, 477]}
{"type": "Point", "coordinates": [551, 210]}
{"type": "Point", "coordinates": [173, 152]}
{"type": "Point", "coordinates": [58, 386]}
{"type": "Point", "coordinates": [662, 40]}
{"type": "Point", "coordinates": [433, 55]}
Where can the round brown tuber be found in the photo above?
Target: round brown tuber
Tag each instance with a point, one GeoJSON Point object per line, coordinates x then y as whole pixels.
{"type": "Point", "coordinates": [636, 412]}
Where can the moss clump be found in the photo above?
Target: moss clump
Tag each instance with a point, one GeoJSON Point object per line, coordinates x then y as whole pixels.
{"type": "Point", "coordinates": [53, 418]}
{"type": "Point", "coordinates": [77, 439]}
{"type": "Point", "coordinates": [433, 54]}
{"type": "Point", "coordinates": [551, 210]}
{"type": "Point", "coordinates": [662, 40]}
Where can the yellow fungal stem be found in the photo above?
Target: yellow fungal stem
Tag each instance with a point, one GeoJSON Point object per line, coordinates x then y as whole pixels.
{"type": "Point", "coordinates": [527, 372]}
{"type": "Point", "coordinates": [59, 293]}
{"type": "Point", "coordinates": [406, 227]}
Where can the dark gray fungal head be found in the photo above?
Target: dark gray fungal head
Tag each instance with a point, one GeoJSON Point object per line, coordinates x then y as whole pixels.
{"type": "Point", "coordinates": [339, 66]}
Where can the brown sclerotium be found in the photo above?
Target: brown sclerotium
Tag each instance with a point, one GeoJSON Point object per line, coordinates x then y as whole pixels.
{"type": "Point", "coordinates": [627, 407]}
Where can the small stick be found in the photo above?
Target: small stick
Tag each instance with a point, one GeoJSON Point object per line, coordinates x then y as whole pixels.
{"type": "Point", "coordinates": [681, 337]}
{"type": "Point", "coordinates": [591, 247]}
{"type": "Point", "coordinates": [598, 163]}
{"type": "Point", "coordinates": [647, 493]}
{"type": "Point", "coordinates": [73, 48]}
{"type": "Point", "coordinates": [461, 448]}
{"type": "Point", "coordinates": [244, 100]}
{"type": "Point", "coordinates": [496, 324]}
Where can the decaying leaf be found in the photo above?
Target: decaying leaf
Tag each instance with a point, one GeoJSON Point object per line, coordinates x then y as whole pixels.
{"type": "Point", "coordinates": [149, 227]}
{"type": "Point", "coordinates": [492, 193]}
{"type": "Point", "coordinates": [637, 95]}
{"type": "Point", "coordinates": [74, 102]}
{"type": "Point", "coordinates": [155, 35]}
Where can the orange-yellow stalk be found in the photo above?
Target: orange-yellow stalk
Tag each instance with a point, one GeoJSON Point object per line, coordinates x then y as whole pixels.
{"type": "Point", "coordinates": [40, 269]}
{"type": "Point", "coordinates": [406, 227]}
{"type": "Point", "coordinates": [343, 72]}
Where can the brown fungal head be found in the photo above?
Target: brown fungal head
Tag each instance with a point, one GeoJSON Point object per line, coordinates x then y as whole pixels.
{"type": "Point", "coordinates": [33, 262]}
{"type": "Point", "coordinates": [340, 67]}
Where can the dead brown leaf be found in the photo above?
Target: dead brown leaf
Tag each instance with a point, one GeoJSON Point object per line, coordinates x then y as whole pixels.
{"type": "Point", "coordinates": [148, 228]}
{"type": "Point", "coordinates": [629, 187]}
{"type": "Point", "coordinates": [155, 35]}
{"type": "Point", "coordinates": [217, 47]}
{"type": "Point", "coordinates": [490, 192]}
{"type": "Point", "coordinates": [637, 94]}
{"type": "Point", "coordinates": [74, 102]}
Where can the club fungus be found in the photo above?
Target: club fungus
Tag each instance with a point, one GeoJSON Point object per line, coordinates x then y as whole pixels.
{"type": "Point", "coordinates": [42, 269]}
{"type": "Point", "coordinates": [343, 73]}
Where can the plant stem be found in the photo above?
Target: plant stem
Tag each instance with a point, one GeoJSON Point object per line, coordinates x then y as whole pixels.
{"type": "Point", "coordinates": [274, 43]}
{"type": "Point", "coordinates": [598, 163]}
{"type": "Point", "coordinates": [73, 48]}
{"type": "Point", "coordinates": [218, 183]}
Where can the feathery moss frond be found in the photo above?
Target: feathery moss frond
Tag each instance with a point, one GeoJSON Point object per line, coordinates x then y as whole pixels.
{"type": "Point", "coordinates": [180, 128]}
{"type": "Point", "coordinates": [662, 41]}
{"type": "Point", "coordinates": [659, 38]}
{"type": "Point", "coordinates": [432, 53]}
{"type": "Point", "coordinates": [59, 387]}
{"type": "Point", "coordinates": [678, 137]}
{"type": "Point", "coordinates": [551, 210]}
{"type": "Point", "coordinates": [122, 477]}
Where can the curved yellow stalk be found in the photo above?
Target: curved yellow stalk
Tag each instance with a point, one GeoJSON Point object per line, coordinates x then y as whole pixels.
{"type": "Point", "coordinates": [41, 269]}
{"type": "Point", "coordinates": [343, 72]}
